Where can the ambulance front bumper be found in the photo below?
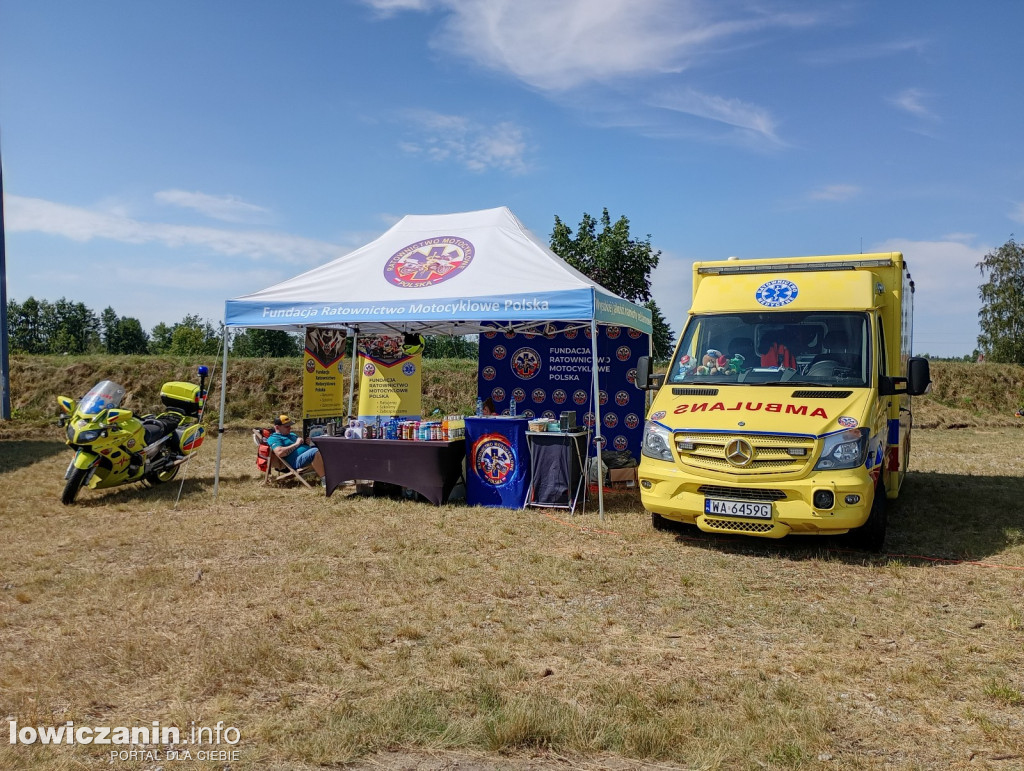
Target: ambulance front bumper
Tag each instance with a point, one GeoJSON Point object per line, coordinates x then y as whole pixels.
{"type": "Point", "coordinates": [825, 503]}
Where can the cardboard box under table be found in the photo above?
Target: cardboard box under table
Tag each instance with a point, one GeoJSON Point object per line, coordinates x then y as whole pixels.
{"type": "Point", "coordinates": [622, 477]}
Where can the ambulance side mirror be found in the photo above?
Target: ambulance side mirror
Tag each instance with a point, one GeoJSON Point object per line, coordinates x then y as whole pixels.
{"type": "Point", "coordinates": [917, 382]}
{"type": "Point", "coordinates": [646, 381]}
{"type": "Point", "coordinates": [919, 378]}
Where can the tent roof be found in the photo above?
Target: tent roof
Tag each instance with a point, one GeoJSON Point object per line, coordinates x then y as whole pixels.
{"type": "Point", "coordinates": [439, 274]}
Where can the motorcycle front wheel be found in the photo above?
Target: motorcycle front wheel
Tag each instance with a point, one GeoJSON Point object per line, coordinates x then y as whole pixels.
{"type": "Point", "coordinates": [154, 478]}
{"type": "Point", "coordinates": [75, 482]}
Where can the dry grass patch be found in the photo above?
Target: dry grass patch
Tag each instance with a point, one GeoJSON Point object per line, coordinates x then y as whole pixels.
{"type": "Point", "coordinates": [369, 631]}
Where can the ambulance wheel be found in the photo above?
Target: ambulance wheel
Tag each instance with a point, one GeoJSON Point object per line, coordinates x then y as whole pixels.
{"type": "Point", "coordinates": [155, 478]}
{"type": "Point", "coordinates": [871, 535]}
{"type": "Point", "coordinates": [74, 484]}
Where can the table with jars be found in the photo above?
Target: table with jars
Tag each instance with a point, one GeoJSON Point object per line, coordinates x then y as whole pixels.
{"type": "Point", "coordinates": [427, 456]}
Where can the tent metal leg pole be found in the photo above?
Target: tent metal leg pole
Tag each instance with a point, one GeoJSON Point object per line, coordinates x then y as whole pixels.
{"type": "Point", "coordinates": [220, 416]}
{"type": "Point", "coordinates": [352, 374]}
{"type": "Point", "coordinates": [597, 418]}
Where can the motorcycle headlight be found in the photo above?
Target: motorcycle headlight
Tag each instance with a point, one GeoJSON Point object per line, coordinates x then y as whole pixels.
{"type": "Point", "coordinates": [70, 432]}
{"type": "Point", "coordinates": [89, 436]}
{"type": "Point", "coordinates": [845, 450]}
{"type": "Point", "coordinates": [657, 441]}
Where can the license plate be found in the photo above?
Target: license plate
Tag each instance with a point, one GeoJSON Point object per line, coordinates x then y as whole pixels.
{"type": "Point", "coordinates": [725, 508]}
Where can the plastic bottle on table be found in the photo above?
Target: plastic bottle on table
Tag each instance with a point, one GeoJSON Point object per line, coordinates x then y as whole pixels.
{"type": "Point", "coordinates": [512, 406]}
{"type": "Point", "coordinates": [479, 407]}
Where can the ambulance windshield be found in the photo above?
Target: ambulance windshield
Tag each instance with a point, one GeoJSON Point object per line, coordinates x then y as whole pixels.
{"type": "Point", "coordinates": [813, 348]}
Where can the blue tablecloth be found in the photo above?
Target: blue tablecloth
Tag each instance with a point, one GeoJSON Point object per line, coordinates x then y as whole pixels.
{"type": "Point", "coordinates": [497, 462]}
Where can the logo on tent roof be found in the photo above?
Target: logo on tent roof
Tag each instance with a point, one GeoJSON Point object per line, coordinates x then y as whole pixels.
{"type": "Point", "coordinates": [429, 262]}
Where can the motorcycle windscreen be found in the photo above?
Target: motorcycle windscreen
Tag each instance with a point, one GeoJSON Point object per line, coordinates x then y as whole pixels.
{"type": "Point", "coordinates": [102, 396]}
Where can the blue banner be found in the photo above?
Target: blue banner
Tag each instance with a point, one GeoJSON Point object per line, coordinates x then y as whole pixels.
{"type": "Point", "coordinates": [497, 462]}
{"type": "Point", "coordinates": [566, 304]}
{"type": "Point", "coordinates": [549, 372]}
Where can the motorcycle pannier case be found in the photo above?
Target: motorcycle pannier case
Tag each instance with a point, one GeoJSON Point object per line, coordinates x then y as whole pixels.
{"type": "Point", "coordinates": [190, 438]}
{"type": "Point", "coordinates": [181, 396]}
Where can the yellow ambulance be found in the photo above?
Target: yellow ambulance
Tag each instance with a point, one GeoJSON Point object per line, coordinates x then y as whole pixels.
{"type": "Point", "coordinates": [786, 407]}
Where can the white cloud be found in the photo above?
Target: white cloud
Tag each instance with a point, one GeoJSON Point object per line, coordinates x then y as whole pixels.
{"type": "Point", "coordinates": [672, 288]}
{"type": "Point", "coordinates": [389, 7]}
{"type": "Point", "coordinates": [227, 208]}
{"type": "Point", "coordinates": [557, 46]}
{"type": "Point", "coordinates": [946, 301]}
{"type": "Point", "coordinates": [834, 193]}
{"type": "Point", "coordinates": [868, 51]}
{"type": "Point", "coordinates": [612, 50]}
{"type": "Point", "coordinates": [911, 100]}
{"type": "Point", "coordinates": [476, 146]}
{"type": "Point", "coordinates": [79, 224]}
{"type": "Point", "coordinates": [731, 112]}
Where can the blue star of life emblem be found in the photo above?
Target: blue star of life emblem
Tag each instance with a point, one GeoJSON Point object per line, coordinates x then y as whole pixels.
{"type": "Point", "coordinates": [776, 293]}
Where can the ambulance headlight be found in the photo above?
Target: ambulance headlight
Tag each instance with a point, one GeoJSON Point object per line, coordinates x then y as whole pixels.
{"type": "Point", "coordinates": [657, 441]}
{"type": "Point", "coordinates": [844, 450]}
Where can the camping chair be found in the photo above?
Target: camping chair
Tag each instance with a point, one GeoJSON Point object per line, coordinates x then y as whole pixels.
{"type": "Point", "coordinates": [275, 468]}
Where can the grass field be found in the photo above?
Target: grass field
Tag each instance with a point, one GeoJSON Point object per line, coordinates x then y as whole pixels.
{"type": "Point", "coordinates": [377, 633]}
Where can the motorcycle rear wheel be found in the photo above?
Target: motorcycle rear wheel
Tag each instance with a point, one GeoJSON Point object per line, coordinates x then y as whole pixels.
{"type": "Point", "coordinates": [74, 484]}
{"type": "Point", "coordinates": [155, 478]}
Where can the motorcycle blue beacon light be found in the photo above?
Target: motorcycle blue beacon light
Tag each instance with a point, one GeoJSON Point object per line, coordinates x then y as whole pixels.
{"type": "Point", "coordinates": [203, 370]}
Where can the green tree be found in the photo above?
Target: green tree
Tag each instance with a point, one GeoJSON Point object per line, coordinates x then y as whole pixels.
{"type": "Point", "coordinates": [25, 326]}
{"type": "Point", "coordinates": [131, 337]}
{"type": "Point", "coordinates": [613, 258]}
{"type": "Point", "coordinates": [1001, 317]}
{"type": "Point", "coordinates": [616, 261]}
{"type": "Point", "coordinates": [266, 343]}
{"type": "Point", "coordinates": [121, 334]}
{"type": "Point", "coordinates": [662, 339]}
{"type": "Point", "coordinates": [160, 339]}
{"type": "Point", "coordinates": [193, 336]}
{"type": "Point", "coordinates": [70, 328]}
{"type": "Point", "coordinates": [109, 329]}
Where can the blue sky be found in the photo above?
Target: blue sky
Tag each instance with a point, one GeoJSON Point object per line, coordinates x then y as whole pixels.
{"type": "Point", "coordinates": [161, 158]}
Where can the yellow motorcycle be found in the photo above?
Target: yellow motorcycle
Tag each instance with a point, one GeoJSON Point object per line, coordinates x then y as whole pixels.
{"type": "Point", "coordinates": [114, 447]}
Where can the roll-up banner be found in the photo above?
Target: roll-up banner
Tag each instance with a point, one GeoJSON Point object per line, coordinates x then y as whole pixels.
{"type": "Point", "coordinates": [547, 372]}
{"type": "Point", "coordinates": [391, 382]}
{"type": "Point", "coordinates": [323, 387]}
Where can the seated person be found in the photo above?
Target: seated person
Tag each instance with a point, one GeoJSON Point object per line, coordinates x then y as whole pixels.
{"type": "Point", "coordinates": [489, 408]}
{"type": "Point", "coordinates": [289, 446]}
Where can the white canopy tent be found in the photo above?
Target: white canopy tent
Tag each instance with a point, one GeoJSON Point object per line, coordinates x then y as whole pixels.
{"type": "Point", "coordinates": [450, 274]}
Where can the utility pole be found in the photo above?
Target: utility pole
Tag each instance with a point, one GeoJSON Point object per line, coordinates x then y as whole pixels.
{"type": "Point", "coordinates": [5, 363]}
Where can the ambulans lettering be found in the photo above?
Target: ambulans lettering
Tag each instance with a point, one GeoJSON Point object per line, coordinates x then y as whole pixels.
{"type": "Point", "coordinates": [786, 409]}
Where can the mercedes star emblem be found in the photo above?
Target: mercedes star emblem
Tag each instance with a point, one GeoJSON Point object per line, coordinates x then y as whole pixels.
{"type": "Point", "coordinates": [739, 452]}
